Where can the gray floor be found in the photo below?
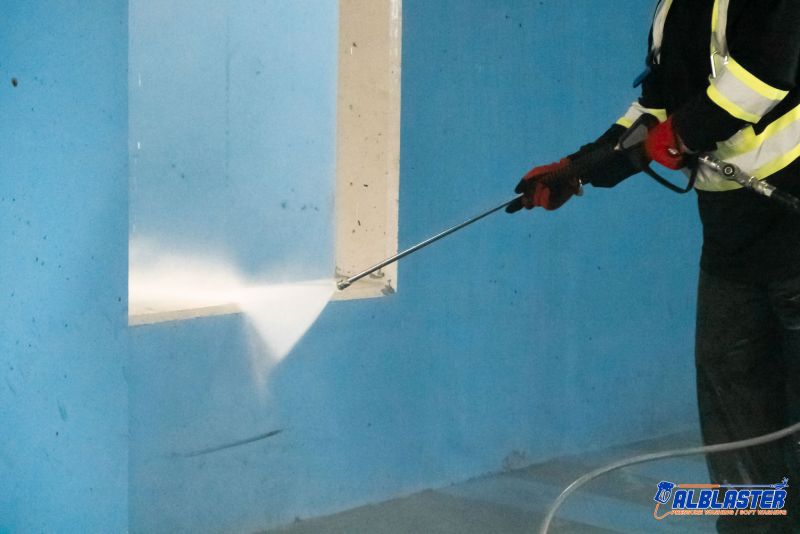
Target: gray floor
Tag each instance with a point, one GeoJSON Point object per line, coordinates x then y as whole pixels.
{"type": "Point", "coordinates": [516, 501]}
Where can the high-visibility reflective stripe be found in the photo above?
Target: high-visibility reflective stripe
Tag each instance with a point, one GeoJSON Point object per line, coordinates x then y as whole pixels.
{"type": "Point", "coordinates": [753, 83]}
{"type": "Point", "coordinates": [746, 140]}
{"type": "Point", "coordinates": [741, 94]}
{"type": "Point", "coordinates": [730, 106]}
{"type": "Point", "coordinates": [771, 155]}
{"type": "Point", "coordinates": [744, 96]}
{"type": "Point", "coordinates": [719, 28]}
{"type": "Point", "coordinates": [658, 27]}
{"type": "Point", "coordinates": [758, 155]}
{"type": "Point", "coordinates": [637, 110]}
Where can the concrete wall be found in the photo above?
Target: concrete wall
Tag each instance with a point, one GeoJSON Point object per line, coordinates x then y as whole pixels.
{"type": "Point", "coordinates": [63, 266]}
{"type": "Point", "coordinates": [516, 335]}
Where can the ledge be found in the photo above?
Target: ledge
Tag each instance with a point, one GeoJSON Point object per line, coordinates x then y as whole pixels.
{"type": "Point", "coordinates": [154, 312]}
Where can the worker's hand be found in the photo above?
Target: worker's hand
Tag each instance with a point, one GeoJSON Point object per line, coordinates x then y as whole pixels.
{"type": "Point", "coordinates": [548, 186]}
{"type": "Point", "coordinates": [665, 147]}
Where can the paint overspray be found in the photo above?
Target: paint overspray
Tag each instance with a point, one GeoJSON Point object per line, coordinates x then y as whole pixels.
{"type": "Point", "coordinates": [278, 315]}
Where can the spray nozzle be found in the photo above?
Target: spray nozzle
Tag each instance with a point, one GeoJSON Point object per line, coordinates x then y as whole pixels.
{"type": "Point", "coordinates": [343, 284]}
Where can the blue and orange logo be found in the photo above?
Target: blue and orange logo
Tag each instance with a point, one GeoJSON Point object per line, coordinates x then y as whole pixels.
{"type": "Point", "coordinates": [720, 499]}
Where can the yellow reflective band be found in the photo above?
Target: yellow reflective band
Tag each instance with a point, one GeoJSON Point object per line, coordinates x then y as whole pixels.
{"type": "Point", "coordinates": [750, 141]}
{"type": "Point", "coordinates": [659, 21]}
{"type": "Point", "coordinates": [774, 166]}
{"type": "Point", "coordinates": [760, 155]}
{"type": "Point", "coordinates": [756, 85]}
{"type": "Point", "coordinates": [637, 110]}
{"type": "Point", "coordinates": [732, 108]}
{"type": "Point", "coordinates": [744, 96]}
{"type": "Point", "coordinates": [719, 30]}
{"type": "Point", "coordinates": [660, 114]}
{"type": "Point", "coordinates": [715, 16]}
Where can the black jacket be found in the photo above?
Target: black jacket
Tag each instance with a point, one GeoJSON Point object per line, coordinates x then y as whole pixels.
{"type": "Point", "coordinates": [746, 237]}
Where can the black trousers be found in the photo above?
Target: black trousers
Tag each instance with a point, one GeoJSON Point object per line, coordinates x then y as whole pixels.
{"type": "Point", "coordinates": [747, 355]}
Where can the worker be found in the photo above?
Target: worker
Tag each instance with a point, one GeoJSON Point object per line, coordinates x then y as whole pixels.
{"type": "Point", "coordinates": [722, 78]}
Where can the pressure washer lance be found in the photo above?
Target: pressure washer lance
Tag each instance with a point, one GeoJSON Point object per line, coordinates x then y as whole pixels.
{"type": "Point", "coordinates": [587, 162]}
{"type": "Point", "coordinates": [631, 144]}
{"type": "Point", "coordinates": [346, 282]}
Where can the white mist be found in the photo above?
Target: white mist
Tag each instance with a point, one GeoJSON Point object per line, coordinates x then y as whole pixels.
{"type": "Point", "coordinates": [279, 314]}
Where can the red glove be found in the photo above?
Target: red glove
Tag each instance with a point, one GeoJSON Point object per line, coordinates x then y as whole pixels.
{"type": "Point", "coordinates": [548, 186]}
{"type": "Point", "coordinates": [665, 147]}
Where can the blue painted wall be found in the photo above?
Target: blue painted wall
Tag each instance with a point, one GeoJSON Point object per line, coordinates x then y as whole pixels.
{"type": "Point", "coordinates": [237, 116]}
{"type": "Point", "coordinates": [63, 265]}
{"type": "Point", "coordinates": [233, 118]}
{"type": "Point", "coordinates": [545, 333]}
{"type": "Point", "coordinates": [519, 334]}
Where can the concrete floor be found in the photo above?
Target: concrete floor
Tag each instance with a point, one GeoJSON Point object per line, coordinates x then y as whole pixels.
{"type": "Point", "coordinates": [515, 501]}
